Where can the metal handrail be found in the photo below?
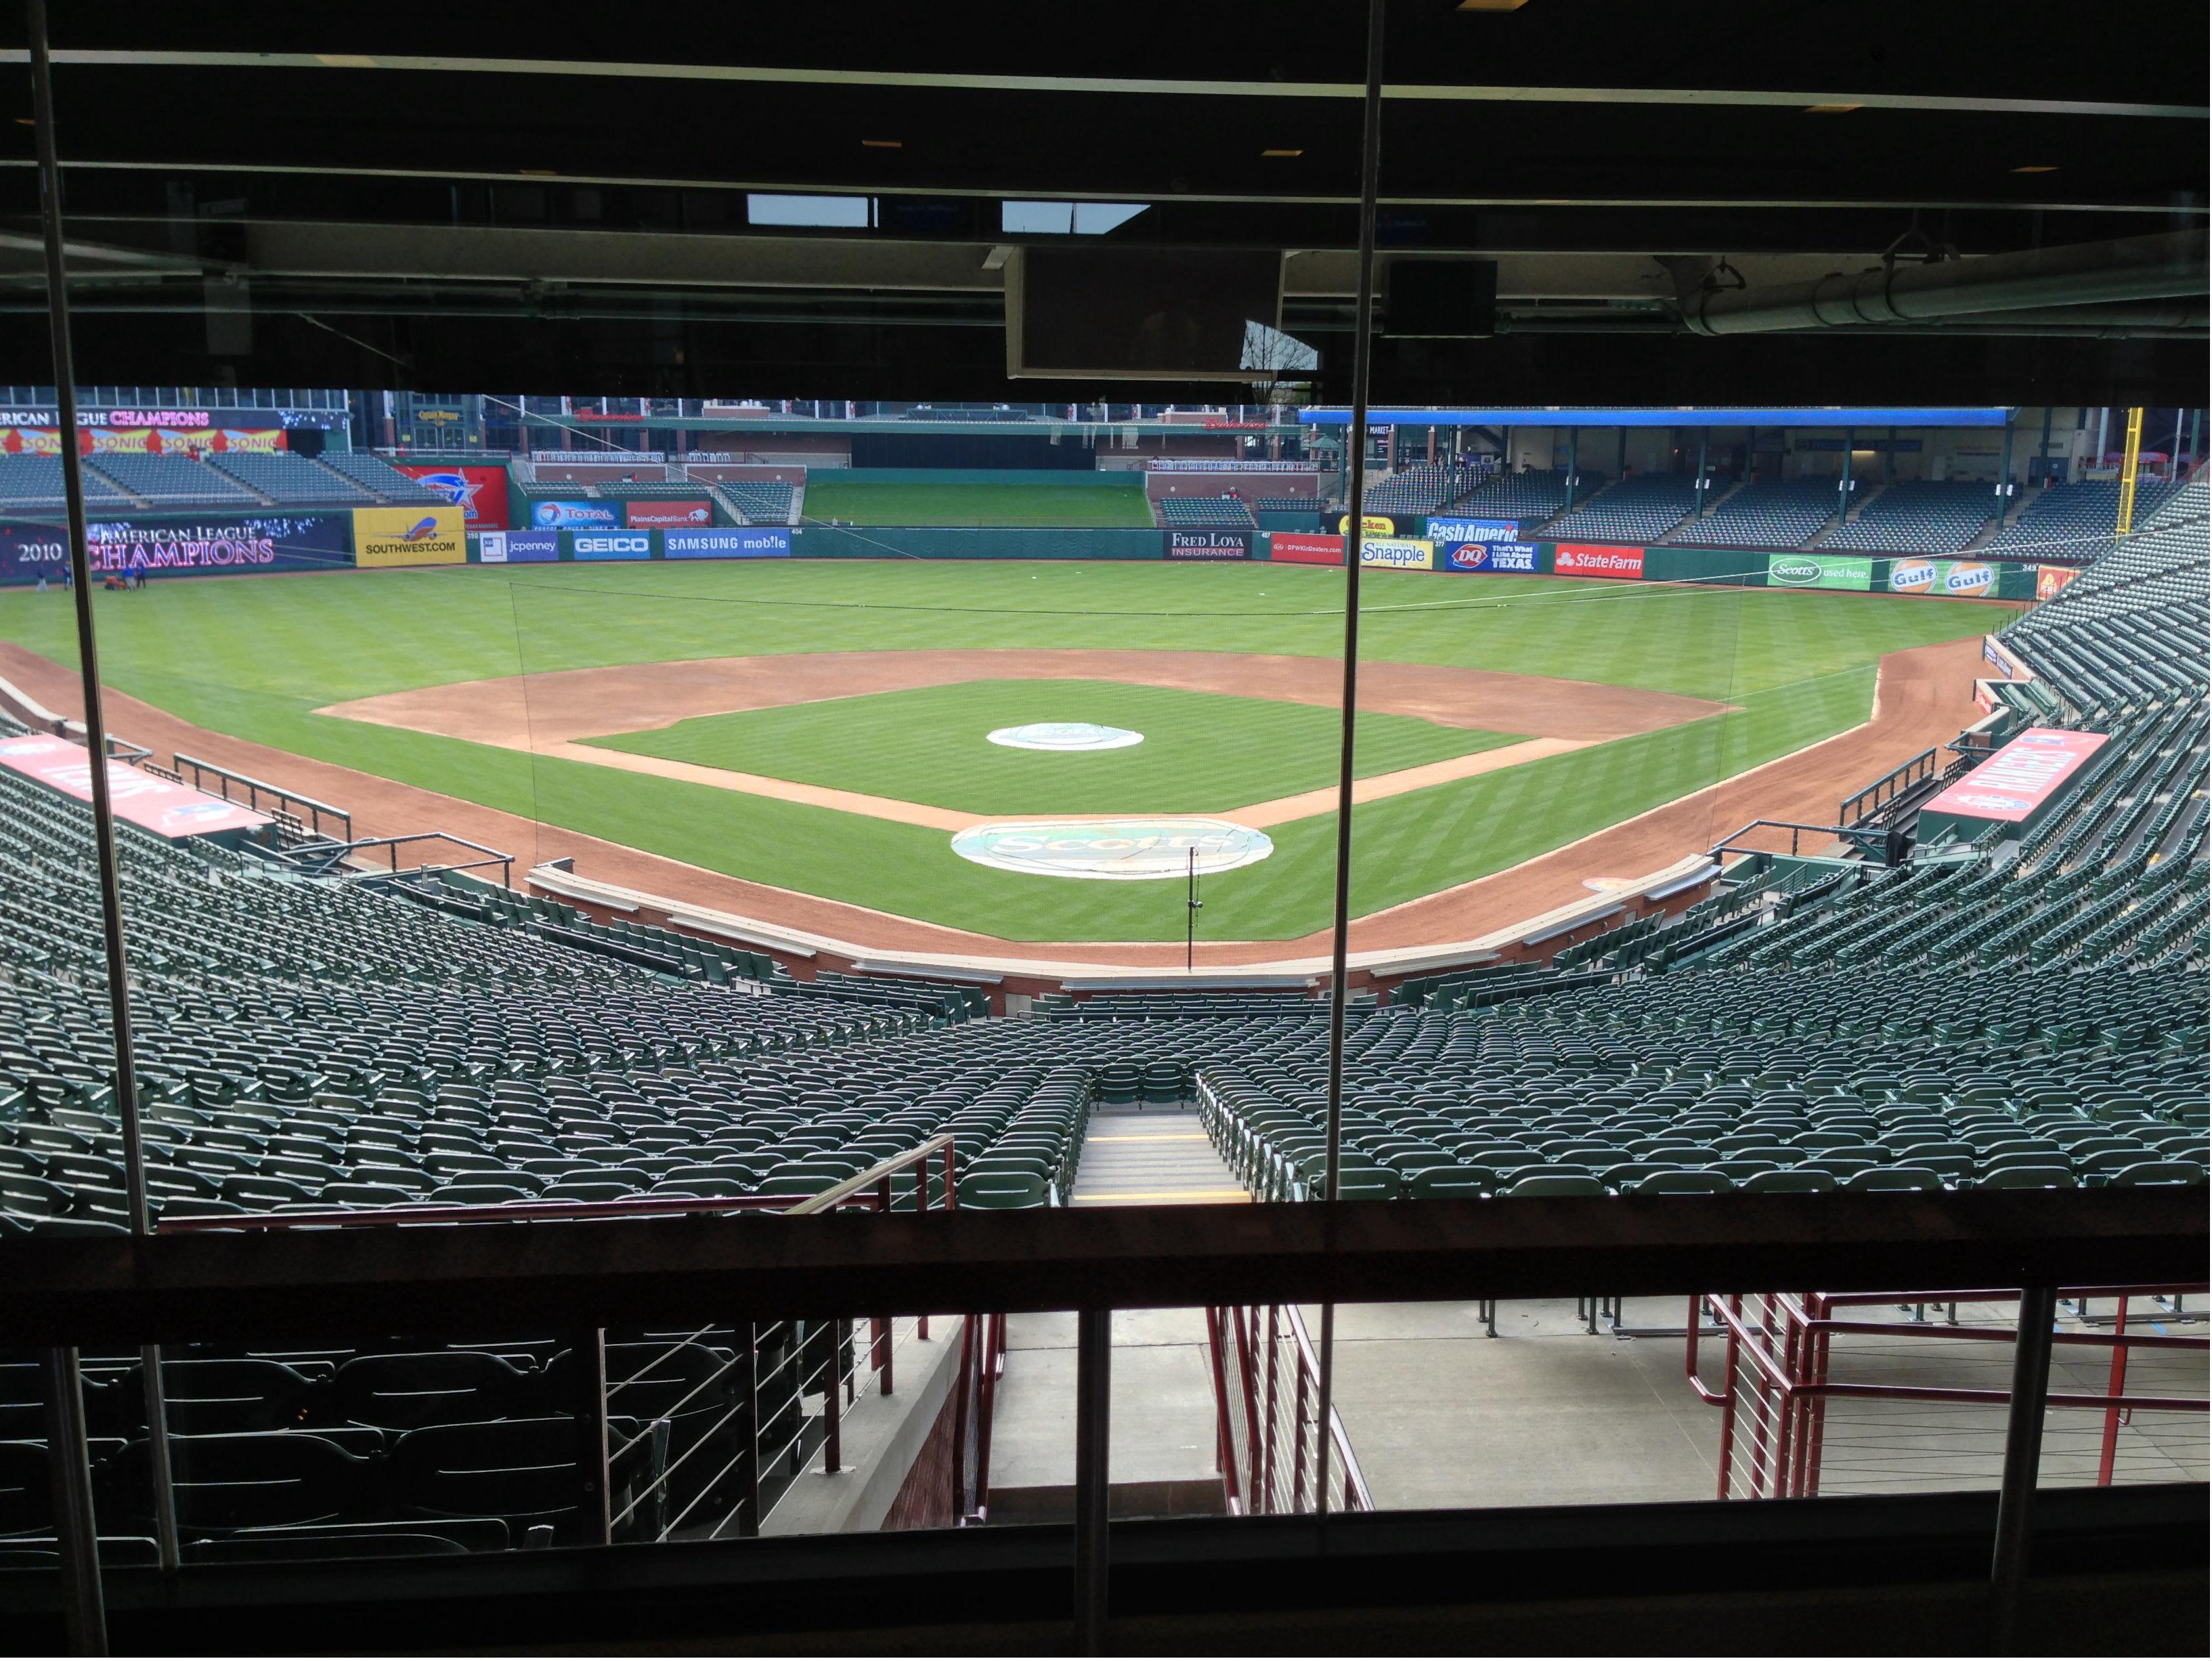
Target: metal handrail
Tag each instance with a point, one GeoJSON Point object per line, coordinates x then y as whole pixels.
{"type": "Point", "coordinates": [1249, 1464]}
{"type": "Point", "coordinates": [877, 1177]}
{"type": "Point", "coordinates": [1730, 844]}
{"type": "Point", "coordinates": [1786, 1348]}
{"type": "Point", "coordinates": [255, 788]}
{"type": "Point", "coordinates": [333, 853]}
{"type": "Point", "coordinates": [1886, 789]}
{"type": "Point", "coordinates": [1357, 1497]}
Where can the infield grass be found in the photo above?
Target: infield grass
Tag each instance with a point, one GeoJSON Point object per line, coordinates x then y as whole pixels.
{"type": "Point", "coordinates": [258, 656]}
{"type": "Point", "coordinates": [1202, 752]}
{"type": "Point", "coordinates": [866, 503]}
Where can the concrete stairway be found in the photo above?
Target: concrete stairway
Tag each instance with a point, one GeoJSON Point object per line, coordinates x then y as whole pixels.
{"type": "Point", "coordinates": [1152, 1157]}
{"type": "Point", "coordinates": [1161, 1458]}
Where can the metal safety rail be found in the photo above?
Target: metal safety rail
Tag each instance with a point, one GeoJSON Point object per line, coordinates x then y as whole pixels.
{"type": "Point", "coordinates": [305, 810]}
{"type": "Point", "coordinates": [1735, 841]}
{"type": "Point", "coordinates": [695, 1433]}
{"type": "Point", "coordinates": [1880, 801]}
{"type": "Point", "coordinates": [323, 858]}
{"type": "Point", "coordinates": [1780, 1378]}
{"type": "Point", "coordinates": [1267, 1397]}
{"type": "Point", "coordinates": [223, 1285]}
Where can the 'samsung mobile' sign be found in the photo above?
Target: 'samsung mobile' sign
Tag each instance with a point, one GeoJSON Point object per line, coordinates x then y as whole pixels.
{"type": "Point", "coordinates": [728, 542]}
{"type": "Point", "coordinates": [2021, 777]}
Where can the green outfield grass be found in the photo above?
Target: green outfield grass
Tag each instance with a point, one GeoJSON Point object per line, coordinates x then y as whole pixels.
{"type": "Point", "coordinates": [257, 657]}
{"type": "Point", "coordinates": [866, 503]}
{"type": "Point", "coordinates": [1202, 753]}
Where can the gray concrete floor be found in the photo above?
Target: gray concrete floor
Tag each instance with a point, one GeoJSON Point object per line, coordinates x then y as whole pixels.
{"type": "Point", "coordinates": [1440, 1415]}
{"type": "Point", "coordinates": [1163, 1386]}
{"type": "Point", "coordinates": [1163, 1401]}
{"type": "Point", "coordinates": [1544, 1414]}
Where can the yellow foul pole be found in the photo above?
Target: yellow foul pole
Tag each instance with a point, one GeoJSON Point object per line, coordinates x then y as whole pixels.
{"type": "Point", "coordinates": [2128, 463]}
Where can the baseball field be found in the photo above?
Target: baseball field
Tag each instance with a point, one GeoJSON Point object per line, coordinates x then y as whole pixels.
{"type": "Point", "coordinates": [824, 727]}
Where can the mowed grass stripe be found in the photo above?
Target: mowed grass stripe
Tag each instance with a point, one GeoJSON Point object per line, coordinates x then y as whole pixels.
{"type": "Point", "coordinates": [1202, 752]}
{"type": "Point", "coordinates": [256, 656]}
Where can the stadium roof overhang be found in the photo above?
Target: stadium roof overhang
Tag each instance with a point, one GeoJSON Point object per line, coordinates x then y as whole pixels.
{"type": "Point", "coordinates": [584, 203]}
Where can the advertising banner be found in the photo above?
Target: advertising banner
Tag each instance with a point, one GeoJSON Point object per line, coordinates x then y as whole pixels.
{"type": "Point", "coordinates": [479, 492]}
{"type": "Point", "coordinates": [1224, 464]}
{"type": "Point", "coordinates": [226, 546]}
{"type": "Point", "coordinates": [728, 542]}
{"type": "Point", "coordinates": [600, 458]}
{"type": "Point", "coordinates": [1953, 578]}
{"type": "Point", "coordinates": [1522, 558]}
{"type": "Point", "coordinates": [517, 547]}
{"type": "Point", "coordinates": [1373, 525]}
{"type": "Point", "coordinates": [1398, 553]}
{"type": "Point", "coordinates": [574, 516]}
{"type": "Point", "coordinates": [1209, 545]}
{"type": "Point", "coordinates": [1304, 547]}
{"type": "Point", "coordinates": [155, 805]}
{"type": "Point", "coordinates": [2050, 579]}
{"type": "Point", "coordinates": [657, 515]}
{"type": "Point", "coordinates": [1820, 571]}
{"type": "Point", "coordinates": [2021, 777]}
{"type": "Point", "coordinates": [1579, 559]}
{"type": "Point", "coordinates": [408, 536]}
{"type": "Point", "coordinates": [1474, 530]}
{"type": "Point", "coordinates": [610, 544]}
{"type": "Point", "coordinates": [28, 552]}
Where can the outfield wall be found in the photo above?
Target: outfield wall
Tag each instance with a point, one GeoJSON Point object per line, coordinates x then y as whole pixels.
{"type": "Point", "coordinates": [1054, 476]}
{"type": "Point", "coordinates": [1956, 576]}
{"type": "Point", "coordinates": [252, 543]}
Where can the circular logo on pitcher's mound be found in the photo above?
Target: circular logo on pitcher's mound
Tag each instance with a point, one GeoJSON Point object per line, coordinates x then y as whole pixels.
{"type": "Point", "coordinates": [1113, 850]}
{"type": "Point", "coordinates": [1065, 735]}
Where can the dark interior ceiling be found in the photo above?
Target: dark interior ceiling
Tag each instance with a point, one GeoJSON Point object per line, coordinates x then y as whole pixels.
{"type": "Point", "coordinates": [556, 200]}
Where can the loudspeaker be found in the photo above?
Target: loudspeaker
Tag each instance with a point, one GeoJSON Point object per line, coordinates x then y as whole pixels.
{"type": "Point", "coordinates": [1440, 299]}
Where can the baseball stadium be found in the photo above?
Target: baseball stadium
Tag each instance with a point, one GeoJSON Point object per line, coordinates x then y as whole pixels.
{"type": "Point", "coordinates": [1186, 992]}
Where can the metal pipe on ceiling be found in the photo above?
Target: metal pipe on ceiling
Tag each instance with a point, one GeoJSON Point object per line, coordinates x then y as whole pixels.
{"type": "Point", "coordinates": [2171, 265]}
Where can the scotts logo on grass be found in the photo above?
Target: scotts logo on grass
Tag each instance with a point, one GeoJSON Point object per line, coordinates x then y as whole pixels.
{"type": "Point", "coordinates": [1113, 850]}
{"type": "Point", "coordinates": [1799, 573]}
{"type": "Point", "coordinates": [1065, 735]}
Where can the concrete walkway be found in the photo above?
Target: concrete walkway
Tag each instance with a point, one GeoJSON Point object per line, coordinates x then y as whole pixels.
{"type": "Point", "coordinates": [1162, 1444]}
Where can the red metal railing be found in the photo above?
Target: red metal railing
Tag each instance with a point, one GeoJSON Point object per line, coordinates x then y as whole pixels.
{"type": "Point", "coordinates": [1781, 1355]}
{"type": "Point", "coordinates": [1266, 1392]}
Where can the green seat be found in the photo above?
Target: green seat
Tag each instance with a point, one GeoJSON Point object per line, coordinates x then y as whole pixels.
{"type": "Point", "coordinates": [1003, 1191]}
{"type": "Point", "coordinates": [2161, 1173]}
{"type": "Point", "coordinates": [1555, 1185]}
{"type": "Point", "coordinates": [1896, 1179]}
{"type": "Point", "coordinates": [2048, 1176]}
{"type": "Point", "coordinates": [1788, 1182]}
{"type": "Point", "coordinates": [1443, 1181]}
{"type": "Point", "coordinates": [1686, 1182]}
